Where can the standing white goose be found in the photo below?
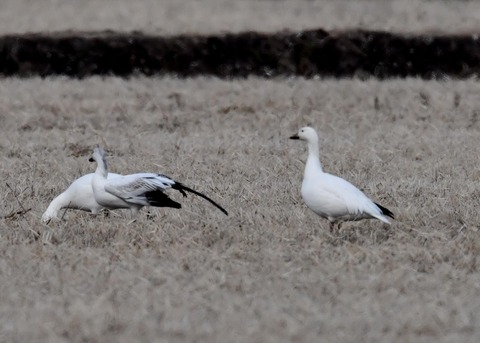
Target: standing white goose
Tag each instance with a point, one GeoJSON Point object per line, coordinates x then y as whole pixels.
{"type": "Point", "coordinates": [78, 196]}
{"type": "Point", "coordinates": [330, 196]}
{"type": "Point", "coordinates": [136, 190]}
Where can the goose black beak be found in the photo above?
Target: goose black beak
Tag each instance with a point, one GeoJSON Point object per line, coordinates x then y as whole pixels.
{"type": "Point", "coordinates": [295, 136]}
{"type": "Point", "coordinates": [91, 159]}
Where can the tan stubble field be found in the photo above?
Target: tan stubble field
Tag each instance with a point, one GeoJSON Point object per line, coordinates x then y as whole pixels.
{"type": "Point", "coordinates": [270, 271]}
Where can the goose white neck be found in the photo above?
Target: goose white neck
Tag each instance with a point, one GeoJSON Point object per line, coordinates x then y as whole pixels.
{"type": "Point", "coordinates": [313, 160]}
{"type": "Point", "coordinates": [102, 167]}
{"type": "Point", "coordinates": [56, 205]}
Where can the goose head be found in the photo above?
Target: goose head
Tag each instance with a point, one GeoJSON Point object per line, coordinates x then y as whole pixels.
{"type": "Point", "coordinates": [97, 155]}
{"type": "Point", "coordinates": [306, 134]}
{"type": "Point", "coordinates": [46, 218]}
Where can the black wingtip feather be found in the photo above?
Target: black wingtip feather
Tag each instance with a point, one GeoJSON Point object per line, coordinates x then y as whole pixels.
{"type": "Point", "coordinates": [386, 211]}
{"type": "Point", "coordinates": [160, 199]}
{"type": "Point", "coordinates": [182, 188]}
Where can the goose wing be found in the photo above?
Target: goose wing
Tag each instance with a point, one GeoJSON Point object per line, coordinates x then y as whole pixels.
{"type": "Point", "coordinates": [143, 188]}
{"type": "Point", "coordinates": [346, 195]}
{"type": "Point", "coordinates": [136, 188]}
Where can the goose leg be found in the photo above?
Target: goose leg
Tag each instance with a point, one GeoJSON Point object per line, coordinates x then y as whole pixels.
{"type": "Point", "coordinates": [332, 227]}
{"type": "Point", "coordinates": [134, 210]}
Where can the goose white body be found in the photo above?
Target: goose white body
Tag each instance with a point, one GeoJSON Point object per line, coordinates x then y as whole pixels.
{"type": "Point", "coordinates": [330, 196]}
{"type": "Point", "coordinates": [79, 196]}
{"type": "Point", "coordinates": [103, 190]}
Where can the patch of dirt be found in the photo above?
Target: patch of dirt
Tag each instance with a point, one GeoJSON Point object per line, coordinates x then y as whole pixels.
{"type": "Point", "coordinates": [312, 53]}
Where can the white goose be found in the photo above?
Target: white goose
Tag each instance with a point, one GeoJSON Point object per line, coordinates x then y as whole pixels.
{"type": "Point", "coordinates": [136, 190]}
{"type": "Point", "coordinates": [330, 196]}
{"type": "Point", "coordinates": [78, 196]}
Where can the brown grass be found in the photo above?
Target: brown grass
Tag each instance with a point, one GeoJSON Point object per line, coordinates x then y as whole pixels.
{"type": "Point", "coordinates": [271, 271]}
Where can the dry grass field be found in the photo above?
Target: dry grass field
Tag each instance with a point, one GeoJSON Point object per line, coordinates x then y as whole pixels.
{"type": "Point", "coordinates": [270, 271]}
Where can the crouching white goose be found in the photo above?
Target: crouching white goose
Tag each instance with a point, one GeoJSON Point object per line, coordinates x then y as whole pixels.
{"type": "Point", "coordinates": [136, 190]}
{"type": "Point", "coordinates": [78, 196]}
{"type": "Point", "coordinates": [330, 196]}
